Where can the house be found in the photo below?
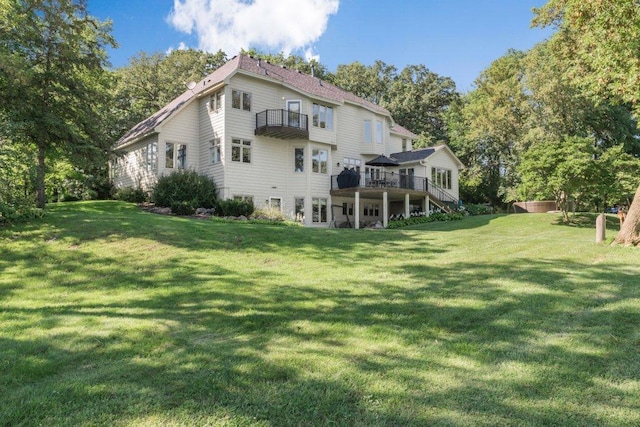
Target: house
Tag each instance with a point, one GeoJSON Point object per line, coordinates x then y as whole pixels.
{"type": "Point", "coordinates": [282, 138]}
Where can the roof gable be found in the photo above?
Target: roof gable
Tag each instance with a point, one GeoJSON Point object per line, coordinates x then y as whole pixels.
{"type": "Point", "coordinates": [423, 153]}
{"type": "Point", "coordinates": [301, 82]}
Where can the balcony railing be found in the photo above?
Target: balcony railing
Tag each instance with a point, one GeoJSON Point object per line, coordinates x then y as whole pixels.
{"type": "Point", "coordinates": [282, 124]}
{"type": "Point", "coordinates": [391, 180]}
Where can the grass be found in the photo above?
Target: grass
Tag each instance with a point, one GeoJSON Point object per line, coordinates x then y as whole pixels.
{"type": "Point", "coordinates": [114, 316]}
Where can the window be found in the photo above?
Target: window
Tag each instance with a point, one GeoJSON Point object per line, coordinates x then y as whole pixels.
{"type": "Point", "coordinates": [322, 116]}
{"type": "Point", "coordinates": [275, 203]}
{"type": "Point", "coordinates": [319, 160]}
{"type": "Point", "coordinates": [175, 155]}
{"type": "Point", "coordinates": [241, 100]}
{"type": "Point", "coordinates": [379, 139]}
{"type": "Point", "coordinates": [367, 131]}
{"type": "Point", "coordinates": [347, 209]}
{"type": "Point", "coordinates": [214, 151]}
{"type": "Point", "coordinates": [299, 209]}
{"type": "Point", "coordinates": [298, 156]}
{"type": "Point", "coordinates": [150, 155]}
{"type": "Point", "coordinates": [215, 102]}
{"type": "Point", "coordinates": [352, 164]}
{"type": "Point", "coordinates": [371, 209]}
{"type": "Point", "coordinates": [404, 144]}
{"type": "Point", "coordinates": [240, 151]}
{"type": "Point", "coordinates": [169, 152]}
{"type": "Point", "coordinates": [441, 177]}
{"type": "Point", "coordinates": [182, 156]}
{"type": "Point", "coordinates": [319, 210]}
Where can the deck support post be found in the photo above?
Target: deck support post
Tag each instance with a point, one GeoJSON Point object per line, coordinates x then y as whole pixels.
{"type": "Point", "coordinates": [385, 209]}
{"type": "Point", "coordinates": [357, 211]}
{"type": "Point", "coordinates": [407, 212]}
{"type": "Point", "coordinates": [427, 202]}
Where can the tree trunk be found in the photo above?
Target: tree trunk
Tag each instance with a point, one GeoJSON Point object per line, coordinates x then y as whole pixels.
{"type": "Point", "coordinates": [40, 193]}
{"type": "Point", "coordinates": [629, 232]}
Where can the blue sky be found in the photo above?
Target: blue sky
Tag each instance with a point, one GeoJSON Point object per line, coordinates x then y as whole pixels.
{"type": "Point", "coordinates": [454, 38]}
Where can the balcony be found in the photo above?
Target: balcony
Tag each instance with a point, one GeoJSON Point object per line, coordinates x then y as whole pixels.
{"type": "Point", "coordinates": [282, 124]}
{"type": "Point", "coordinates": [394, 184]}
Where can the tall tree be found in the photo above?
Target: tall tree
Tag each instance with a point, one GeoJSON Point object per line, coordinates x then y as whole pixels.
{"type": "Point", "coordinates": [372, 83]}
{"type": "Point", "coordinates": [601, 39]}
{"type": "Point", "coordinates": [54, 57]}
{"type": "Point", "coordinates": [490, 138]}
{"type": "Point", "coordinates": [418, 99]}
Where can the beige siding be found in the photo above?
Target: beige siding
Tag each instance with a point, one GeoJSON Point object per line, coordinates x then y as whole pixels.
{"type": "Point", "coordinates": [442, 159]}
{"type": "Point", "coordinates": [131, 169]}
{"type": "Point", "coordinates": [212, 125]}
{"type": "Point", "coordinates": [182, 129]}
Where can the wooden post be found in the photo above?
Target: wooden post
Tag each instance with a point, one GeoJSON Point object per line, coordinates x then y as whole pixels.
{"type": "Point", "coordinates": [601, 228]}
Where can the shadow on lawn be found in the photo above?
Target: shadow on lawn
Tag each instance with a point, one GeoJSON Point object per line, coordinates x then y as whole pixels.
{"type": "Point", "coordinates": [450, 342]}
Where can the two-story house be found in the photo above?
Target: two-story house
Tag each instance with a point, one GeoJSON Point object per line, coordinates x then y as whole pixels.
{"type": "Point", "coordinates": [282, 138]}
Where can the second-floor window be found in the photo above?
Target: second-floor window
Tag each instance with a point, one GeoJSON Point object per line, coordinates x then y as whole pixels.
{"type": "Point", "coordinates": [298, 154]}
{"type": "Point", "coordinates": [322, 116]}
{"type": "Point", "coordinates": [215, 103]}
{"type": "Point", "coordinates": [368, 137]}
{"type": "Point", "coordinates": [241, 100]}
{"type": "Point", "coordinates": [379, 138]}
{"type": "Point", "coordinates": [319, 160]}
{"type": "Point", "coordinates": [240, 150]}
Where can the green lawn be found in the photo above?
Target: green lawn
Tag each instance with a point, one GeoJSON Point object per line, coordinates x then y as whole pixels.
{"type": "Point", "coordinates": [113, 316]}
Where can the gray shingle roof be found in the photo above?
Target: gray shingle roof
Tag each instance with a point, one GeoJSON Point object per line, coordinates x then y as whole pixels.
{"type": "Point", "coordinates": [246, 64]}
{"type": "Point", "coordinates": [414, 155]}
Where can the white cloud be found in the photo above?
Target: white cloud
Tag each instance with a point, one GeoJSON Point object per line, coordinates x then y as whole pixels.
{"type": "Point", "coordinates": [273, 25]}
{"type": "Point", "coordinates": [181, 46]}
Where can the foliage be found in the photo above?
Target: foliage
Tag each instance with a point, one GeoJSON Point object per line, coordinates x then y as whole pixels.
{"type": "Point", "coordinates": [478, 209]}
{"type": "Point", "coordinates": [416, 220]}
{"type": "Point", "coordinates": [272, 214]}
{"type": "Point", "coordinates": [52, 80]}
{"type": "Point", "coordinates": [131, 195]}
{"type": "Point", "coordinates": [559, 169]}
{"type": "Point", "coordinates": [17, 175]}
{"type": "Point", "coordinates": [235, 207]}
{"type": "Point", "coordinates": [419, 98]}
{"type": "Point", "coordinates": [599, 40]}
{"type": "Point", "coordinates": [184, 191]}
{"type": "Point", "coordinates": [369, 82]}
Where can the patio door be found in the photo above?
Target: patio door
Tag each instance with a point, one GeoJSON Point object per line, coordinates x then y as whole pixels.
{"type": "Point", "coordinates": [294, 108]}
{"type": "Point", "coordinates": [407, 178]}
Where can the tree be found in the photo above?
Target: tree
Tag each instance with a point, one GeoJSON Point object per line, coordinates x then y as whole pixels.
{"type": "Point", "coordinates": [418, 100]}
{"type": "Point", "coordinates": [489, 130]}
{"type": "Point", "coordinates": [372, 83]}
{"type": "Point", "coordinates": [53, 55]}
{"type": "Point", "coordinates": [601, 40]}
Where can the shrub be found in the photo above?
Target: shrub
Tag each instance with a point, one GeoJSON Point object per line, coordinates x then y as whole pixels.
{"type": "Point", "coordinates": [130, 194]}
{"type": "Point", "coordinates": [231, 207]}
{"type": "Point", "coordinates": [478, 209]}
{"type": "Point", "coordinates": [454, 216]}
{"type": "Point", "coordinates": [270, 214]}
{"type": "Point", "coordinates": [185, 191]}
